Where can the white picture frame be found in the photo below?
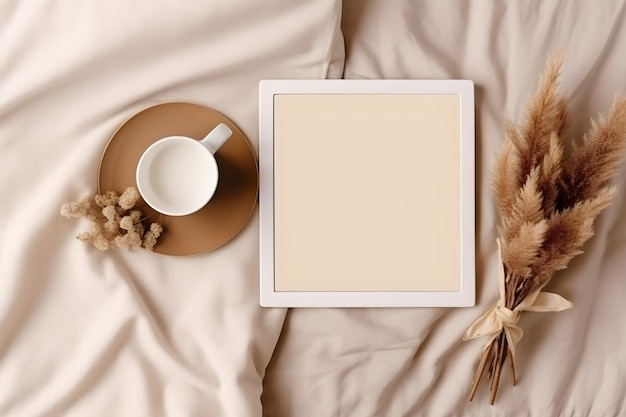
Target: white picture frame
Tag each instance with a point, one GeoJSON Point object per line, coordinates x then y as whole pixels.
{"type": "Point", "coordinates": [393, 202]}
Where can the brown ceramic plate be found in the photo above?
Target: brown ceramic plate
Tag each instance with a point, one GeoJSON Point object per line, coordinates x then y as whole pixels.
{"type": "Point", "coordinates": [236, 195]}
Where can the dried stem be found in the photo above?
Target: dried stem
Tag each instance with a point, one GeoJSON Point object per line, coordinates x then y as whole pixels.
{"type": "Point", "coordinates": [499, 361]}
{"type": "Point", "coordinates": [513, 380]}
{"type": "Point", "coordinates": [480, 370]}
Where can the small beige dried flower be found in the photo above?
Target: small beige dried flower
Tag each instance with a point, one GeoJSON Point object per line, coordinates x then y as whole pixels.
{"type": "Point", "coordinates": [152, 235]}
{"type": "Point", "coordinates": [115, 221]}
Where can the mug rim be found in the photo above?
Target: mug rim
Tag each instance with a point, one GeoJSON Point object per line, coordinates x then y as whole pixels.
{"type": "Point", "coordinates": [142, 176]}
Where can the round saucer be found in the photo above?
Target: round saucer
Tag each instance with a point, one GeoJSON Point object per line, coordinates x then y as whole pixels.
{"type": "Point", "coordinates": [236, 195]}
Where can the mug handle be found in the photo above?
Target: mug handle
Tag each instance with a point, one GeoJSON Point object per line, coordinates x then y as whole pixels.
{"type": "Point", "coordinates": [216, 137]}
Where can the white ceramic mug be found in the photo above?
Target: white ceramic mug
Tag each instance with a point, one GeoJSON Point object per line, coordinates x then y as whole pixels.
{"type": "Point", "coordinates": [178, 175]}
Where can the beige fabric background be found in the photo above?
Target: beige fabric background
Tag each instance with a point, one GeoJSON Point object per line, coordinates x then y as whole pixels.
{"type": "Point", "coordinates": [85, 333]}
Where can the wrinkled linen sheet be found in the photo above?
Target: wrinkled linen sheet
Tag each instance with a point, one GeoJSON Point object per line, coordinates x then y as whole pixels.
{"type": "Point", "coordinates": [411, 362]}
{"type": "Point", "coordinates": [90, 333]}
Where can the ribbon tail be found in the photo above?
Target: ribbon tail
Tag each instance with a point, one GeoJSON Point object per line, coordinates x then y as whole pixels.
{"type": "Point", "coordinates": [488, 323]}
{"type": "Point", "coordinates": [501, 274]}
{"type": "Point", "coordinates": [547, 301]}
{"type": "Point", "coordinates": [484, 325]}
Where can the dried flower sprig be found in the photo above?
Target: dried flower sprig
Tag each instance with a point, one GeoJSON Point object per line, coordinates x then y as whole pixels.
{"type": "Point", "coordinates": [547, 205]}
{"type": "Point", "coordinates": [116, 222]}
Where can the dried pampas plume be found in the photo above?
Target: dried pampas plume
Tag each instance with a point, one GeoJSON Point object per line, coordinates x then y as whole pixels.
{"type": "Point", "coordinates": [115, 221]}
{"type": "Point", "coordinates": [547, 204]}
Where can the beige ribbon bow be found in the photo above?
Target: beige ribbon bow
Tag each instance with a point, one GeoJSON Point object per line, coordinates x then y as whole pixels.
{"type": "Point", "coordinates": [499, 317]}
